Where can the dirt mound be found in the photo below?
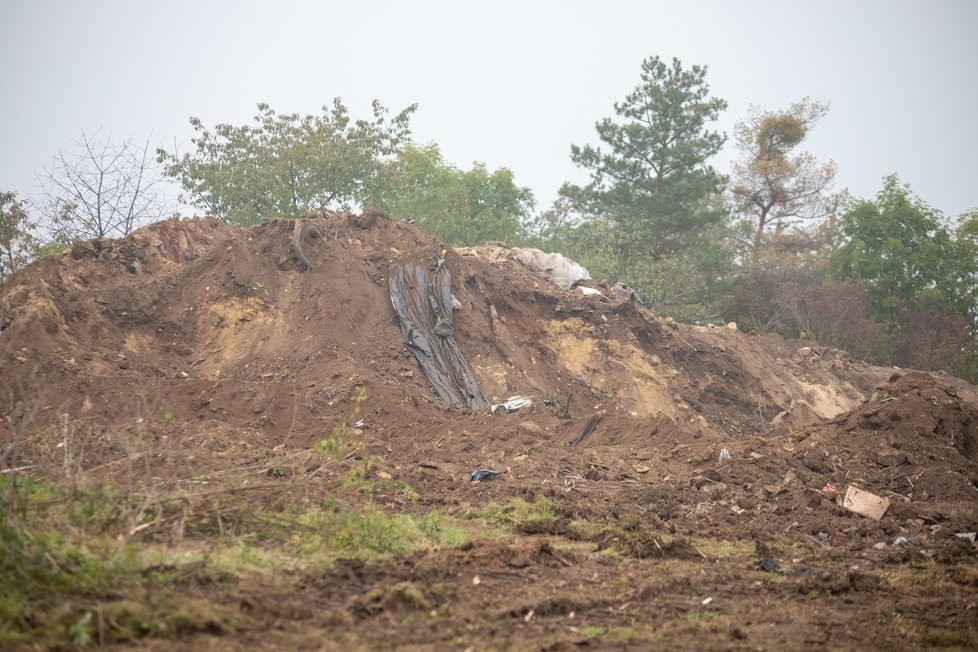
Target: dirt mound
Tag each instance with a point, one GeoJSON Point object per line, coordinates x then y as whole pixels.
{"type": "Point", "coordinates": [192, 347]}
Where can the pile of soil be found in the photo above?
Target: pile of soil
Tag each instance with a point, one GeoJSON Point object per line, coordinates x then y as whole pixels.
{"type": "Point", "coordinates": [219, 345]}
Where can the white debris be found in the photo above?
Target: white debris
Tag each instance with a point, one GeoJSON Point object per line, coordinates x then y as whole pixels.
{"type": "Point", "coordinates": [513, 403]}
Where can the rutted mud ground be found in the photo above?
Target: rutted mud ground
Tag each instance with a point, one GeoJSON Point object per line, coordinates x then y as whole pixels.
{"type": "Point", "coordinates": [192, 349]}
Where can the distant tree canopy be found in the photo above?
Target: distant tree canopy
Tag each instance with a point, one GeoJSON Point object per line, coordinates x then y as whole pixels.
{"type": "Point", "coordinates": [101, 187]}
{"type": "Point", "coordinates": [772, 185]}
{"type": "Point", "coordinates": [283, 165]}
{"type": "Point", "coordinates": [907, 254]}
{"type": "Point", "coordinates": [652, 211]}
{"type": "Point", "coordinates": [16, 241]}
{"type": "Point", "coordinates": [459, 207]}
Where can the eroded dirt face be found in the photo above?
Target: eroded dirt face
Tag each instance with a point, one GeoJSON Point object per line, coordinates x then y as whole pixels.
{"type": "Point", "coordinates": [201, 347]}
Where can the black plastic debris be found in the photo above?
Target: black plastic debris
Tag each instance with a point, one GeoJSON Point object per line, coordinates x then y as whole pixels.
{"type": "Point", "coordinates": [769, 565]}
{"type": "Point", "coordinates": [626, 293]}
{"type": "Point", "coordinates": [588, 429]}
{"type": "Point", "coordinates": [422, 298]}
{"type": "Point", "coordinates": [481, 475]}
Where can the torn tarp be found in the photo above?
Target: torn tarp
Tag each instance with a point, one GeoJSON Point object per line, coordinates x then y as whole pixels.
{"type": "Point", "coordinates": [422, 298]}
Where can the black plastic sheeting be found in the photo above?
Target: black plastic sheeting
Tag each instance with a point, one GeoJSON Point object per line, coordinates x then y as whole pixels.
{"type": "Point", "coordinates": [422, 298]}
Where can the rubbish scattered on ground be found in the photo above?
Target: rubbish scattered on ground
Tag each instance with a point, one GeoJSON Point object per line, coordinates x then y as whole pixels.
{"type": "Point", "coordinates": [902, 541]}
{"type": "Point", "coordinates": [481, 475]}
{"type": "Point", "coordinates": [770, 565]}
{"type": "Point", "coordinates": [358, 424]}
{"type": "Point", "coordinates": [707, 601]}
{"type": "Point", "coordinates": [589, 292]}
{"type": "Point", "coordinates": [970, 536]}
{"type": "Point", "coordinates": [476, 581]}
{"type": "Point", "coordinates": [626, 293]}
{"type": "Point", "coordinates": [724, 456]}
{"type": "Point", "coordinates": [880, 546]}
{"type": "Point", "coordinates": [513, 403]}
{"type": "Point", "coordinates": [830, 487]}
{"type": "Point", "coordinates": [580, 378]}
{"type": "Point", "coordinates": [422, 299]}
{"type": "Point", "coordinates": [865, 504]}
{"type": "Point", "coordinates": [588, 429]}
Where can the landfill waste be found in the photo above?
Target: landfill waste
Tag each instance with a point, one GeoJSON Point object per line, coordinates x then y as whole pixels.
{"type": "Point", "coordinates": [626, 293]}
{"type": "Point", "coordinates": [769, 565]}
{"type": "Point", "coordinates": [562, 272]}
{"type": "Point", "coordinates": [970, 536]}
{"type": "Point", "coordinates": [588, 429]}
{"type": "Point", "coordinates": [589, 292]}
{"type": "Point", "coordinates": [724, 456]}
{"type": "Point", "coordinates": [512, 404]}
{"type": "Point", "coordinates": [481, 475]}
{"type": "Point", "coordinates": [422, 298]}
{"type": "Point", "coordinates": [864, 503]}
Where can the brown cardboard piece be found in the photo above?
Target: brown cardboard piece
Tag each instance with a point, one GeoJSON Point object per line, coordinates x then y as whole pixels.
{"type": "Point", "coordinates": [865, 504]}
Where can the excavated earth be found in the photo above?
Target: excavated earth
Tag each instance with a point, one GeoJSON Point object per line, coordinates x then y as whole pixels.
{"type": "Point", "coordinates": [709, 440]}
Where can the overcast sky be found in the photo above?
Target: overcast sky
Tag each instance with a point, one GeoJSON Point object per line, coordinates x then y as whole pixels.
{"type": "Point", "coordinates": [507, 83]}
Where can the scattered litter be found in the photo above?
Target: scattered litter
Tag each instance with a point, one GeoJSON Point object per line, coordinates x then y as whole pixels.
{"type": "Point", "coordinates": [970, 536]}
{"type": "Point", "coordinates": [880, 546]}
{"type": "Point", "coordinates": [902, 541]}
{"type": "Point", "coordinates": [358, 424]}
{"type": "Point", "coordinates": [707, 601]}
{"type": "Point", "coordinates": [580, 378]}
{"type": "Point", "coordinates": [589, 292]}
{"type": "Point", "coordinates": [588, 429]}
{"type": "Point", "coordinates": [865, 504]}
{"type": "Point", "coordinates": [724, 456]}
{"type": "Point", "coordinates": [626, 293]}
{"type": "Point", "coordinates": [476, 581]}
{"type": "Point", "coordinates": [481, 475]}
{"type": "Point", "coordinates": [830, 487]}
{"type": "Point", "coordinates": [529, 616]}
{"type": "Point", "coordinates": [513, 403]}
{"type": "Point", "coordinates": [770, 565]}
{"type": "Point", "coordinates": [736, 509]}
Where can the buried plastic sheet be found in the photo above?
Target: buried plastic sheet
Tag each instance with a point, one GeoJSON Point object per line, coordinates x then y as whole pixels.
{"type": "Point", "coordinates": [422, 299]}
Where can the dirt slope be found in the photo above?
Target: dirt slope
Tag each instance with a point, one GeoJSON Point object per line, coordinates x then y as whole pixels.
{"type": "Point", "coordinates": [218, 346]}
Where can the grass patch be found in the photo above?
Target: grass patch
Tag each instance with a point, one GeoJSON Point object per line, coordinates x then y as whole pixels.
{"type": "Point", "coordinates": [516, 511]}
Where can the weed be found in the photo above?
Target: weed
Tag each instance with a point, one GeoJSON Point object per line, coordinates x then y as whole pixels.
{"type": "Point", "coordinates": [516, 511]}
{"type": "Point", "coordinates": [557, 405]}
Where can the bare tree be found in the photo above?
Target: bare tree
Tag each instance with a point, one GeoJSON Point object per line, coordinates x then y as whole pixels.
{"type": "Point", "coordinates": [102, 188]}
{"type": "Point", "coordinates": [772, 185]}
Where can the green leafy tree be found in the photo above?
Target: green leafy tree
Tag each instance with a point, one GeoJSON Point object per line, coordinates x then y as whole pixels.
{"type": "Point", "coordinates": [16, 241]}
{"type": "Point", "coordinates": [772, 185]}
{"type": "Point", "coordinates": [651, 187]}
{"type": "Point", "coordinates": [287, 164]}
{"type": "Point", "coordinates": [461, 207]}
{"type": "Point", "coordinates": [906, 253]}
{"type": "Point", "coordinates": [920, 277]}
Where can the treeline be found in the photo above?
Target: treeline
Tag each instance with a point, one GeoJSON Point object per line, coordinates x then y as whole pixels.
{"type": "Point", "coordinates": [767, 244]}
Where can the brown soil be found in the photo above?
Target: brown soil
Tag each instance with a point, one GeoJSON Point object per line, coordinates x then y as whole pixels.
{"type": "Point", "coordinates": [253, 355]}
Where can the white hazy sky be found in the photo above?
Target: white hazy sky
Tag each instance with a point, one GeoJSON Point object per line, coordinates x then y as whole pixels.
{"type": "Point", "coordinates": [507, 83]}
